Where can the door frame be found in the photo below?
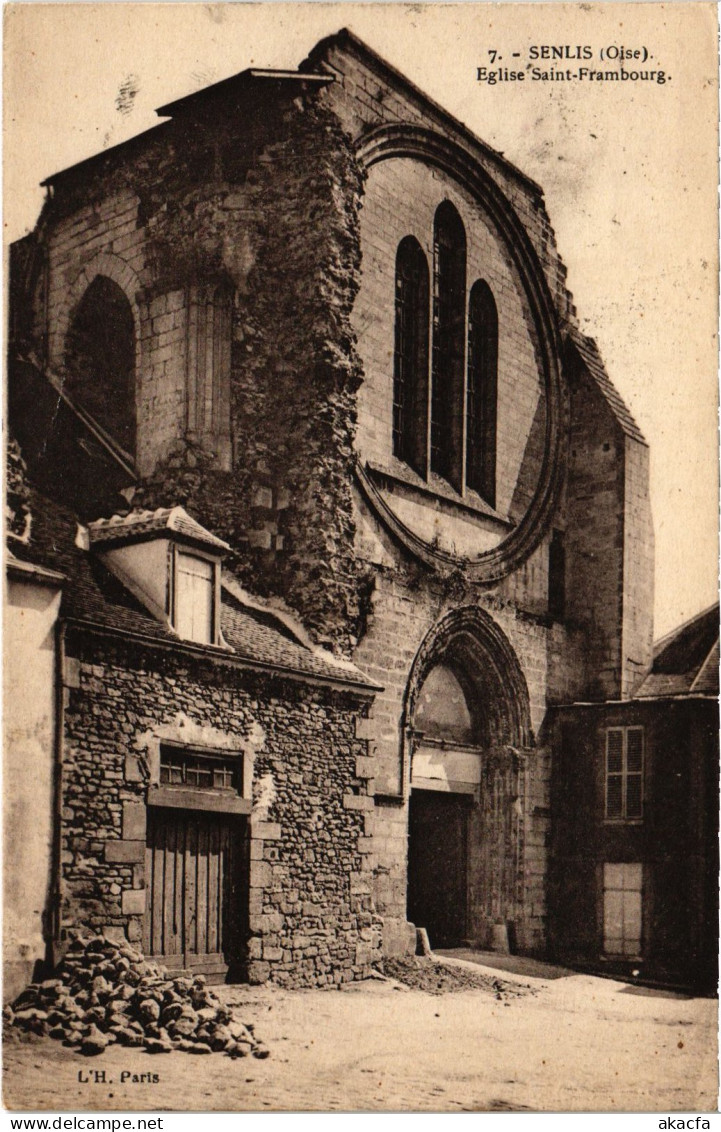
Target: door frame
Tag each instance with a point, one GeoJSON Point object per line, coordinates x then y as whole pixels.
{"type": "Point", "coordinates": [465, 799]}
{"type": "Point", "coordinates": [214, 965]}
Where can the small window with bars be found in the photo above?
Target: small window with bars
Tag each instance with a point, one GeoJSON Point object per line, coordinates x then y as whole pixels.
{"type": "Point", "coordinates": [624, 773]}
{"type": "Point", "coordinates": [204, 772]}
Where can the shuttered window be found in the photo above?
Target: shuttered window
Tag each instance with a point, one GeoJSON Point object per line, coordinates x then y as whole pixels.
{"type": "Point", "coordinates": [624, 773]}
{"type": "Point", "coordinates": [622, 908]}
{"type": "Point", "coordinates": [195, 598]}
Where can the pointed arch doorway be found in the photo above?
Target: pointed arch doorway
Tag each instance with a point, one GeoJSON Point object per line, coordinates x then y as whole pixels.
{"type": "Point", "coordinates": [467, 732]}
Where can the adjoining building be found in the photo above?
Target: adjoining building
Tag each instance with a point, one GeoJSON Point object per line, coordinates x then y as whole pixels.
{"type": "Point", "coordinates": [317, 313]}
{"type": "Point", "coordinates": [187, 772]}
{"type": "Point", "coordinates": [634, 878]}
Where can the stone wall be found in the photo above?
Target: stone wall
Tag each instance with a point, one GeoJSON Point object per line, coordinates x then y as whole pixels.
{"type": "Point", "coordinates": [367, 94]}
{"type": "Point", "coordinates": [269, 218]}
{"type": "Point", "coordinates": [284, 220]}
{"type": "Point", "coordinates": [400, 199]}
{"type": "Point", "coordinates": [638, 564]}
{"type": "Point", "coordinates": [309, 908]}
{"type": "Point", "coordinates": [405, 606]}
{"type": "Point", "coordinates": [609, 547]}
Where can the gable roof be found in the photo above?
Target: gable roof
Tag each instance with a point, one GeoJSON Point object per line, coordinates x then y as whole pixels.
{"type": "Point", "coordinates": [589, 355]}
{"type": "Point", "coordinates": [686, 661]}
{"type": "Point", "coordinates": [95, 599]}
{"type": "Point", "coordinates": [137, 526]}
{"type": "Point", "coordinates": [345, 39]}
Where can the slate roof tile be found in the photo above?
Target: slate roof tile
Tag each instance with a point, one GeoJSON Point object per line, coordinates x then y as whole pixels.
{"type": "Point", "coordinates": [140, 524]}
{"type": "Point", "coordinates": [686, 661]}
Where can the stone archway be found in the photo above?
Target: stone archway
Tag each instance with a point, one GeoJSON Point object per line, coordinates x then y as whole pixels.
{"type": "Point", "coordinates": [99, 362]}
{"type": "Point", "coordinates": [468, 769]}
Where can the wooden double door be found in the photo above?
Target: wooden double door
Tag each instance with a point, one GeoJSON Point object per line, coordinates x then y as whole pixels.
{"type": "Point", "coordinates": [196, 877]}
{"type": "Point", "coordinates": [438, 865]}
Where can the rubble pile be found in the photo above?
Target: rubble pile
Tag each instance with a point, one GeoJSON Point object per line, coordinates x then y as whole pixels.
{"type": "Point", "coordinates": [424, 973]}
{"type": "Point", "coordinates": [106, 992]}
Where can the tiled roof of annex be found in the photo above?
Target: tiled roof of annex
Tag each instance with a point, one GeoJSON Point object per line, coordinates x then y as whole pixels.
{"type": "Point", "coordinates": [686, 661]}
{"type": "Point", "coordinates": [254, 634]}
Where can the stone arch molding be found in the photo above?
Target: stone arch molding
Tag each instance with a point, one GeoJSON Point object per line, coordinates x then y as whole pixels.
{"type": "Point", "coordinates": [403, 140]}
{"type": "Point", "coordinates": [470, 639]}
{"type": "Point", "coordinates": [113, 267]}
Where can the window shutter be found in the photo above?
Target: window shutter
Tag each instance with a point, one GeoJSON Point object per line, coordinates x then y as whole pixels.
{"type": "Point", "coordinates": [634, 772]}
{"type": "Point", "coordinates": [194, 598]}
{"type": "Point", "coordinates": [624, 773]}
{"type": "Point", "coordinates": [634, 756]}
{"type": "Point", "coordinates": [614, 773]}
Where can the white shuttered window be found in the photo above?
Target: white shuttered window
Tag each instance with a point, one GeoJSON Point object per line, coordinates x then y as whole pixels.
{"type": "Point", "coordinates": [622, 908]}
{"type": "Point", "coordinates": [195, 598]}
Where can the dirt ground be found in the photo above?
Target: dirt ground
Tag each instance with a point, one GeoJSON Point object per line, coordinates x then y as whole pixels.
{"type": "Point", "coordinates": [541, 1039]}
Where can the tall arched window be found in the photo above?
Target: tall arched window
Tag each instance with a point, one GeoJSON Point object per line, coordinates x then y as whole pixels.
{"type": "Point", "coordinates": [100, 359]}
{"type": "Point", "coordinates": [410, 357]}
{"type": "Point", "coordinates": [482, 392]}
{"type": "Point", "coordinates": [449, 316]}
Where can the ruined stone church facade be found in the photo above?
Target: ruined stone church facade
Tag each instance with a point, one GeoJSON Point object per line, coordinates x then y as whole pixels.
{"type": "Point", "coordinates": [317, 313]}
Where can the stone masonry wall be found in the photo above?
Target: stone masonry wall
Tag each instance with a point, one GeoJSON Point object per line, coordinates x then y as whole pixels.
{"type": "Point", "coordinates": [364, 96]}
{"type": "Point", "coordinates": [271, 216]}
{"type": "Point", "coordinates": [638, 559]}
{"type": "Point", "coordinates": [310, 912]}
{"type": "Point", "coordinates": [400, 199]}
{"type": "Point", "coordinates": [275, 214]}
{"type": "Point", "coordinates": [595, 537]}
{"type": "Point", "coordinates": [405, 605]}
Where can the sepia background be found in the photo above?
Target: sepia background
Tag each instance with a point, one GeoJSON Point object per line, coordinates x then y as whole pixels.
{"type": "Point", "coordinates": [629, 172]}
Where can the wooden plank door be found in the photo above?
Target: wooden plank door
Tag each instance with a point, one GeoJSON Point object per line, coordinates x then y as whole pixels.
{"type": "Point", "coordinates": [195, 881]}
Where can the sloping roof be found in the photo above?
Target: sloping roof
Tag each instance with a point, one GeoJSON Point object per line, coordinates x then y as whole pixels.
{"type": "Point", "coordinates": [70, 457]}
{"type": "Point", "coordinates": [94, 596]}
{"type": "Point", "coordinates": [256, 79]}
{"type": "Point", "coordinates": [686, 661]}
{"type": "Point", "coordinates": [345, 39]}
{"type": "Point", "coordinates": [237, 85]}
{"type": "Point", "coordinates": [138, 525]}
{"type": "Point", "coordinates": [32, 572]}
{"type": "Point", "coordinates": [260, 638]}
{"type": "Point", "coordinates": [589, 354]}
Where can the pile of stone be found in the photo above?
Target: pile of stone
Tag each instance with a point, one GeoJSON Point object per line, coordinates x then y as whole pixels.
{"type": "Point", "coordinates": [106, 992]}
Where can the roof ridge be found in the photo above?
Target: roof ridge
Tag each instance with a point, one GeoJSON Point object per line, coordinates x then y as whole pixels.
{"type": "Point", "coordinates": [140, 521]}
{"type": "Point", "coordinates": [591, 357]}
{"type": "Point", "coordinates": [661, 643]}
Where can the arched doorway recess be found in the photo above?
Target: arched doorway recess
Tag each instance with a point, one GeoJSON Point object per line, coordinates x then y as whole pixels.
{"type": "Point", "coordinates": [468, 737]}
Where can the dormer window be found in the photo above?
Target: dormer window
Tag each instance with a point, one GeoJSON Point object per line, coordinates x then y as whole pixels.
{"type": "Point", "coordinates": [195, 601]}
{"type": "Point", "coordinates": [170, 563]}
